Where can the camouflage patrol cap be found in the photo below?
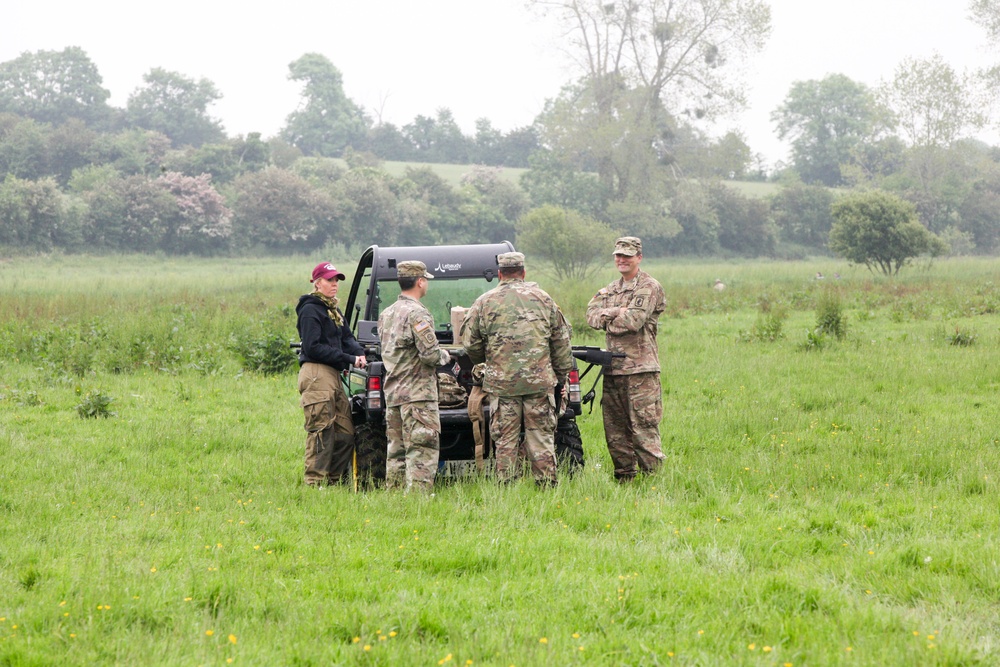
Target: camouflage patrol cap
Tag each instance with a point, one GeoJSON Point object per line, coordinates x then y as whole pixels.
{"type": "Point", "coordinates": [413, 269]}
{"type": "Point", "coordinates": [628, 245]}
{"type": "Point", "coordinates": [510, 260]}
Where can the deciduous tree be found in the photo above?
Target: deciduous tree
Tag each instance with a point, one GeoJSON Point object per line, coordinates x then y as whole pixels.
{"type": "Point", "coordinates": [132, 151]}
{"type": "Point", "coordinates": [438, 139]}
{"type": "Point", "coordinates": [640, 60]}
{"type": "Point", "coordinates": [376, 208]}
{"type": "Point", "coordinates": [987, 14]}
{"type": "Point", "coordinates": [881, 231]}
{"type": "Point", "coordinates": [177, 106]}
{"type": "Point", "coordinates": [694, 223]}
{"type": "Point", "coordinates": [71, 146]}
{"type": "Point", "coordinates": [684, 53]}
{"type": "Point", "coordinates": [327, 121]}
{"type": "Point", "coordinates": [492, 204]}
{"type": "Point", "coordinates": [934, 104]}
{"type": "Point", "coordinates": [203, 223]}
{"type": "Point", "coordinates": [129, 214]}
{"type": "Point", "coordinates": [54, 86]}
{"type": "Point", "coordinates": [30, 213]}
{"type": "Point", "coordinates": [223, 161]}
{"type": "Point", "coordinates": [937, 180]}
{"type": "Point", "coordinates": [24, 150]}
{"type": "Point", "coordinates": [488, 143]}
{"type": "Point", "coordinates": [277, 210]}
{"type": "Point", "coordinates": [573, 243]}
{"type": "Point", "coordinates": [553, 182]}
{"type": "Point", "coordinates": [693, 154]}
{"type": "Point", "coordinates": [321, 172]}
{"type": "Point", "coordinates": [979, 215]}
{"type": "Point", "coordinates": [444, 204]}
{"type": "Point", "coordinates": [519, 145]}
{"type": "Point", "coordinates": [745, 225]}
{"type": "Point", "coordinates": [802, 214]}
{"type": "Point", "coordinates": [388, 142]}
{"type": "Point", "coordinates": [826, 120]}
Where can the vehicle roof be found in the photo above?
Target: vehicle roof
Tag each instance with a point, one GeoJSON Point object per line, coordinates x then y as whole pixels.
{"type": "Point", "coordinates": [443, 261]}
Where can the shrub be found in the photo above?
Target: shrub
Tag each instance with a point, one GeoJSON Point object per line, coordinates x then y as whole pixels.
{"type": "Point", "coordinates": [815, 340]}
{"type": "Point", "coordinates": [575, 244]}
{"type": "Point", "coordinates": [830, 317]}
{"type": "Point", "coordinates": [95, 404]}
{"type": "Point", "coordinates": [769, 324]}
{"type": "Point", "coordinates": [962, 338]}
{"type": "Point", "coordinates": [267, 353]}
{"type": "Point", "coordinates": [881, 231]}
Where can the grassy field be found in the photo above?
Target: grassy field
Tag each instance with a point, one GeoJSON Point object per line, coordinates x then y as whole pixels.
{"type": "Point", "coordinates": [824, 501]}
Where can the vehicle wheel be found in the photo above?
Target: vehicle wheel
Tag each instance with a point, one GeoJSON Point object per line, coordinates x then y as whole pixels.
{"type": "Point", "coordinates": [569, 444]}
{"type": "Point", "coordinates": [370, 446]}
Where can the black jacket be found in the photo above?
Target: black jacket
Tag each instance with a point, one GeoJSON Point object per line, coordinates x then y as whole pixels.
{"type": "Point", "coordinates": [323, 342]}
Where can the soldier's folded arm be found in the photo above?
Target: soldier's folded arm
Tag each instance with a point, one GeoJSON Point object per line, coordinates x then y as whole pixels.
{"type": "Point", "coordinates": [599, 317]}
{"type": "Point", "coordinates": [634, 316]}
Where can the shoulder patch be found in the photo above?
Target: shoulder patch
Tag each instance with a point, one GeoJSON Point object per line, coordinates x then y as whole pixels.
{"type": "Point", "coordinates": [640, 298]}
{"type": "Point", "coordinates": [421, 326]}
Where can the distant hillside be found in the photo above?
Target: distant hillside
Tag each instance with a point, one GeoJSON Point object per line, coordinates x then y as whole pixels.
{"type": "Point", "coordinates": [754, 189]}
{"type": "Point", "coordinates": [453, 173]}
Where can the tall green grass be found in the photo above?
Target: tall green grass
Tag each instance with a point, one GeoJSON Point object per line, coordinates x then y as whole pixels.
{"type": "Point", "coordinates": [834, 506]}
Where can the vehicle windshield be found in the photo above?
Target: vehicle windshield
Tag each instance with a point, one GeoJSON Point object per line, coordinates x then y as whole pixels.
{"type": "Point", "coordinates": [442, 295]}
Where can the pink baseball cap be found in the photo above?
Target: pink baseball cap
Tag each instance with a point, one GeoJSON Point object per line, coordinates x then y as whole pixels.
{"type": "Point", "coordinates": [326, 271]}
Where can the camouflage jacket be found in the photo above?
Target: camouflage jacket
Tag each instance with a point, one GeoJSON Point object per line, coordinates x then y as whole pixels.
{"type": "Point", "coordinates": [634, 330]}
{"type": "Point", "coordinates": [522, 335]}
{"type": "Point", "coordinates": [410, 352]}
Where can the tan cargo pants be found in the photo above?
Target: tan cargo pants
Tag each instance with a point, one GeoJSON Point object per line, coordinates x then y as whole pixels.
{"type": "Point", "coordinates": [329, 429]}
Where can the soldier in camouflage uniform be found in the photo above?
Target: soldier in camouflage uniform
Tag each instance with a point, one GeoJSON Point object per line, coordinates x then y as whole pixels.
{"type": "Point", "coordinates": [411, 355]}
{"type": "Point", "coordinates": [628, 310]}
{"type": "Point", "coordinates": [524, 339]}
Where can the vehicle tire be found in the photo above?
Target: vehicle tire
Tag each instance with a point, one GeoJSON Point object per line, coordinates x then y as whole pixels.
{"type": "Point", "coordinates": [370, 446]}
{"type": "Point", "coordinates": [569, 444]}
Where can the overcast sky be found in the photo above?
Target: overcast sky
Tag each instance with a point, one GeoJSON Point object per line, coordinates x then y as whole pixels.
{"type": "Point", "coordinates": [479, 58]}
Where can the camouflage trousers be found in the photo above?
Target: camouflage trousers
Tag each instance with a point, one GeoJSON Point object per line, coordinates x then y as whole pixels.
{"type": "Point", "coordinates": [329, 429]}
{"type": "Point", "coordinates": [413, 430]}
{"type": "Point", "coordinates": [632, 407]}
{"type": "Point", "coordinates": [536, 415]}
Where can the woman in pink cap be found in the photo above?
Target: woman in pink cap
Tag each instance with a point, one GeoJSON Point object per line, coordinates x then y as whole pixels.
{"type": "Point", "coordinates": [328, 348]}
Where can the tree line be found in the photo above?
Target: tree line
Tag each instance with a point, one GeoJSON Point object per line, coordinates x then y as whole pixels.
{"type": "Point", "coordinates": [624, 146]}
{"type": "Point", "coordinates": [161, 175]}
{"type": "Point", "coordinates": [56, 88]}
